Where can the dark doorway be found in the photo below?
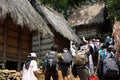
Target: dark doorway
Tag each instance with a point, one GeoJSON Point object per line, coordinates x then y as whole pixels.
{"type": "Point", "coordinates": [11, 65]}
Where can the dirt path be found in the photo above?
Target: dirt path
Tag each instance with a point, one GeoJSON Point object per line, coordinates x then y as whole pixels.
{"type": "Point", "coordinates": [41, 77]}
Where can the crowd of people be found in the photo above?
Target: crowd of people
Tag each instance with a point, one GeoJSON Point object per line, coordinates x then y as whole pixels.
{"type": "Point", "coordinates": [92, 59]}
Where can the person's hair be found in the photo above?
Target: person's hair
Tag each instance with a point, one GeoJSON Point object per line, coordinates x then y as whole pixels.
{"type": "Point", "coordinates": [65, 48]}
{"type": "Point", "coordinates": [54, 47]}
{"type": "Point", "coordinates": [111, 49]}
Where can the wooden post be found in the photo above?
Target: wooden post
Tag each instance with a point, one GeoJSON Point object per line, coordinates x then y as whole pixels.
{"type": "Point", "coordinates": [5, 42]}
{"type": "Point", "coordinates": [19, 49]}
{"type": "Point", "coordinates": [39, 41]}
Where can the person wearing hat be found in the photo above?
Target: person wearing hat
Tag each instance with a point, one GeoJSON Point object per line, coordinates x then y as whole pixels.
{"type": "Point", "coordinates": [30, 68]}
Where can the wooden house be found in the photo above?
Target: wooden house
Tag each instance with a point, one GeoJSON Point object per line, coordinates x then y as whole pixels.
{"type": "Point", "coordinates": [87, 20]}
{"type": "Point", "coordinates": [60, 27]}
{"type": "Point", "coordinates": [17, 20]}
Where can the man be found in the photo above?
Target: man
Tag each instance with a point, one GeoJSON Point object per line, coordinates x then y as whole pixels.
{"type": "Point", "coordinates": [65, 64]}
{"type": "Point", "coordinates": [110, 68]}
{"type": "Point", "coordinates": [30, 68]}
{"type": "Point", "coordinates": [50, 64]}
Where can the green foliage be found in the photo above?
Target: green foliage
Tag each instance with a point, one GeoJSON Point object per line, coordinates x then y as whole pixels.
{"type": "Point", "coordinates": [65, 6]}
{"type": "Point", "coordinates": [113, 7]}
{"type": "Point", "coordinates": [40, 62]}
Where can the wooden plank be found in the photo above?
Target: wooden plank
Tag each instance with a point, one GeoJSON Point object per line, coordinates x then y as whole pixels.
{"type": "Point", "coordinates": [35, 48]}
{"type": "Point", "coordinates": [46, 36]}
{"type": "Point", "coordinates": [13, 34]}
{"type": "Point", "coordinates": [1, 29]}
{"type": "Point", "coordinates": [12, 41]}
{"type": "Point", "coordinates": [46, 41]}
{"type": "Point", "coordinates": [1, 53]}
{"type": "Point", "coordinates": [24, 53]}
{"type": "Point", "coordinates": [25, 45]}
{"type": "Point", "coordinates": [23, 59]}
{"type": "Point", "coordinates": [47, 46]}
{"type": "Point", "coordinates": [19, 50]}
{"type": "Point", "coordinates": [1, 47]}
{"type": "Point", "coordinates": [25, 37]}
{"type": "Point", "coordinates": [34, 38]}
{"type": "Point", "coordinates": [11, 55]}
{"type": "Point", "coordinates": [35, 43]}
{"type": "Point", "coordinates": [12, 59]}
{"type": "Point", "coordinates": [12, 50]}
{"type": "Point", "coordinates": [5, 41]}
{"type": "Point", "coordinates": [1, 38]}
{"type": "Point", "coordinates": [12, 26]}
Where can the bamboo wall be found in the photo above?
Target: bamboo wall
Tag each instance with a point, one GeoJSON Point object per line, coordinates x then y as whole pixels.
{"type": "Point", "coordinates": [46, 43]}
{"type": "Point", "coordinates": [41, 44]}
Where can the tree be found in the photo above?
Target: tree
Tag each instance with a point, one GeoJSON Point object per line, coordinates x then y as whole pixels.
{"type": "Point", "coordinates": [113, 8]}
{"type": "Point", "coordinates": [66, 6]}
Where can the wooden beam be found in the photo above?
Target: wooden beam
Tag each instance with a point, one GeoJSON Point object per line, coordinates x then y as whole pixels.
{"type": "Point", "coordinates": [19, 49]}
{"type": "Point", "coordinates": [5, 42]}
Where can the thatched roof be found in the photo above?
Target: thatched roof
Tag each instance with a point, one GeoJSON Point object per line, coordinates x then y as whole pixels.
{"type": "Point", "coordinates": [22, 13]}
{"type": "Point", "coordinates": [57, 21]}
{"type": "Point", "coordinates": [116, 34]}
{"type": "Point", "coordinates": [87, 15]}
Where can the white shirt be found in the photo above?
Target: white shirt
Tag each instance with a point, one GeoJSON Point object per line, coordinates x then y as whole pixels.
{"type": "Point", "coordinates": [72, 48]}
{"type": "Point", "coordinates": [29, 74]}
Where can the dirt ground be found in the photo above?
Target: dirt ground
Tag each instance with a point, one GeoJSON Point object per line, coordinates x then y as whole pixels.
{"type": "Point", "coordinates": [41, 77]}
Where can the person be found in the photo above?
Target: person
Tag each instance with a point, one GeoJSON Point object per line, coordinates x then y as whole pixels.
{"type": "Point", "coordinates": [109, 41]}
{"type": "Point", "coordinates": [30, 68]}
{"type": "Point", "coordinates": [92, 49]}
{"type": "Point", "coordinates": [73, 47]}
{"type": "Point", "coordinates": [102, 54]}
{"type": "Point", "coordinates": [110, 67]}
{"type": "Point", "coordinates": [50, 64]}
{"type": "Point", "coordinates": [80, 60]}
{"type": "Point", "coordinates": [65, 64]}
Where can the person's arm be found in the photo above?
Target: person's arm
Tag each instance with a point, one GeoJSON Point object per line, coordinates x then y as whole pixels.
{"type": "Point", "coordinates": [35, 68]}
{"type": "Point", "coordinates": [38, 71]}
{"type": "Point", "coordinates": [84, 39]}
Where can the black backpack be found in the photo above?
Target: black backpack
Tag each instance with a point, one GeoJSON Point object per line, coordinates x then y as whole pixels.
{"type": "Point", "coordinates": [110, 67]}
{"type": "Point", "coordinates": [50, 61]}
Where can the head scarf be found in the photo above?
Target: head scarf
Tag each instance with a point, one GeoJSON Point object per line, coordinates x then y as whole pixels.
{"type": "Point", "coordinates": [30, 57]}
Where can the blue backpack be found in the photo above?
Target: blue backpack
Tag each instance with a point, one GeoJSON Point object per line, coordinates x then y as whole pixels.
{"type": "Point", "coordinates": [50, 61]}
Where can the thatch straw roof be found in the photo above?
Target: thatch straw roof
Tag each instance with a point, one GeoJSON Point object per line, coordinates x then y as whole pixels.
{"type": "Point", "coordinates": [116, 34]}
{"type": "Point", "coordinates": [57, 21]}
{"type": "Point", "coordinates": [87, 15]}
{"type": "Point", "coordinates": [22, 13]}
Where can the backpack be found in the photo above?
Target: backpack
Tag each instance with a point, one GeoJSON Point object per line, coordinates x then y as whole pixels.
{"type": "Point", "coordinates": [104, 55]}
{"type": "Point", "coordinates": [80, 58]}
{"type": "Point", "coordinates": [67, 58]}
{"type": "Point", "coordinates": [110, 67]}
{"type": "Point", "coordinates": [50, 61]}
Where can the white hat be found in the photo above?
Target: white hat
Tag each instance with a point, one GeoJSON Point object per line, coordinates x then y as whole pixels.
{"type": "Point", "coordinates": [33, 55]}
